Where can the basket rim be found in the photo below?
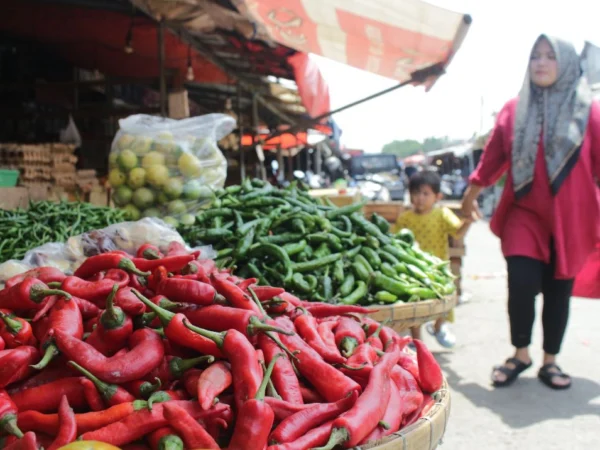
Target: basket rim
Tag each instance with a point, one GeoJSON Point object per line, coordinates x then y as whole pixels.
{"type": "Point", "coordinates": [441, 406]}
{"type": "Point", "coordinates": [452, 298]}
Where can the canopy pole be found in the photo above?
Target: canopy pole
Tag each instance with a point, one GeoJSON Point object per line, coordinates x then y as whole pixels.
{"type": "Point", "coordinates": [241, 131]}
{"type": "Point", "coordinates": [418, 76]}
{"type": "Point", "coordinates": [255, 134]}
{"type": "Point", "coordinates": [161, 67]}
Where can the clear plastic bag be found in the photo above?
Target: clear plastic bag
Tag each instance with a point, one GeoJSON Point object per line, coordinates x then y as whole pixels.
{"type": "Point", "coordinates": [126, 236]}
{"type": "Point", "coordinates": [168, 168]}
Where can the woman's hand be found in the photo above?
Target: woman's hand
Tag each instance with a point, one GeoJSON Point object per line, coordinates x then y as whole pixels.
{"type": "Point", "coordinates": [470, 208]}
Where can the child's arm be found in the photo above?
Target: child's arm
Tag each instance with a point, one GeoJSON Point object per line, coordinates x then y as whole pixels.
{"type": "Point", "coordinates": [456, 227]}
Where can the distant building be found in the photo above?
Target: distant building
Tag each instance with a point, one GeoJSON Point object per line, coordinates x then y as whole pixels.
{"type": "Point", "coordinates": [591, 66]}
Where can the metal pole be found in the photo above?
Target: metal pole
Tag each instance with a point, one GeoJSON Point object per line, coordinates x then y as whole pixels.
{"type": "Point", "coordinates": [161, 67]}
{"type": "Point", "coordinates": [255, 133]}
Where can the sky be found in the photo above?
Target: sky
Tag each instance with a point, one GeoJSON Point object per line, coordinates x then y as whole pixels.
{"type": "Point", "coordinates": [487, 71]}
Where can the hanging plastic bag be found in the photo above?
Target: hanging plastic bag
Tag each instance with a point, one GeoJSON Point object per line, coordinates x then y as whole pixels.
{"type": "Point", "coordinates": [168, 168]}
{"type": "Point", "coordinates": [70, 135]}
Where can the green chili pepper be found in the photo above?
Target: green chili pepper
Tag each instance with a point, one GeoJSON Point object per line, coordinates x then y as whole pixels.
{"type": "Point", "coordinates": [351, 254]}
{"type": "Point", "coordinates": [372, 242]}
{"type": "Point", "coordinates": [370, 228]}
{"type": "Point", "coordinates": [362, 260]}
{"type": "Point", "coordinates": [282, 238]}
{"type": "Point", "coordinates": [347, 285]}
{"type": "Point", "coordinates": [244, 244]}
{"type": "Point", "coordinates": [215, 212]}
{"type": "Point", "coordinates": [294, 248]}
{"type": "Point", "coordinates": [385, 297]}
{"type": "Point", "coordinates": [360, 271]}
{"type": "Point", "coordinates": [213, 234]}
{"type": "Point", "coordinates": [338, 271]}
{"type": "Point", "coordinates": [371, 256]}
{"type": "Point", "coordinates": [358, 294]}
{"type": "Point", "coordinates": [422, 293]}
{"type": "Point", "coordinates": [388, 257]}
{"type": "Point", "coordinates": [322, 250]}
{"type": "Point", "coordinates": [330, 239]}
{"type": "Point", "coordinates": [312, 265]}
{"type": "Point", "coordinates": [278, 254]}
{"type": "Point", "coordinates": [388, 270]}
{"type": "Point", "coordinates": [392, 285]}
{"type": "Point", "coordinates": [345, 210]}
{"type": "Point", "coordinates": [300, 284]}
{"type": "Point", "coordinates": [381, 223]}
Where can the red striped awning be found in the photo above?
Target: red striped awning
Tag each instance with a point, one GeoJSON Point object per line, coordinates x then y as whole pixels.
{"type": "Point", "coordinates": [392, 38]}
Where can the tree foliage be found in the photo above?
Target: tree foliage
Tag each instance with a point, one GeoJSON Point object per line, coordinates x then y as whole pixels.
{"type": "Point", "coordinates": [409, 147]}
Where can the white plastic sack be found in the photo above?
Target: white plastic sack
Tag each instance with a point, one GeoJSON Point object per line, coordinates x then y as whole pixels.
{"type": "Point", "coordinates": [168, 168]}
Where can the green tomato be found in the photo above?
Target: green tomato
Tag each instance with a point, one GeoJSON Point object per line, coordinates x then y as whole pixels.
{"type": "Point", "coordinates": [132, 212]}
{"type": "Point", "coordinates": [122, 195]}
{"type": "Point", "coordinates": [143, 198]}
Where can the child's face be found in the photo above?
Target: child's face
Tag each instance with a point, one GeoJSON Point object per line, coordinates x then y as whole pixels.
{"type": "Point", "coordinates": [423, 199]}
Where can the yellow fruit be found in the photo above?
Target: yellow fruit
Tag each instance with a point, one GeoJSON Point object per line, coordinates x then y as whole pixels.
{"type": "Point", "coordinates": [127, 160]}
{"type": "Point", "coordinates": [153, 159]}
{"type": "Point", "coordinates": [88, 445]}
{"type": "Point", "coordinates": [137, 178]}
{"type": "Point", "coordinates": [189, 165]}
{"type": "Point", "coordinates": [141, 145]}
{"type": "Point", "coordinates": [157, 176]}
{"type": "Point", "coordinates": [116, 178]}
{"type": "Point", "coordinates": [125, 141]}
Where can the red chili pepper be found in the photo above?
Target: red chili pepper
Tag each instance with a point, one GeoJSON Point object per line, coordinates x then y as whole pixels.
{"type": "Point", "coordinates": [255, 419]}
{"type": "Point", "coordinates": [421, 411]}
{"type": "Point", "coordinates": [146, 353]}
{"type": "Point", "coordinates": [8, 415]}
{"type": "Point", "coordinates": [195, 271]}
{"type": "Point", "coordinates": [173, 368]}
{"type": "Point", "coordinates": [283, 409]}
{"type": "Point", "coordinates": [96, 277]}
{"type": "Point", "coordinates": [142, 422]}
{"type": "Point", "coordinates": [140, 284]}
{"type": "Point", "coordinates": [28, 442]}
{"type": "Point", "coordinates": [327, 380]}
{"type": "Point", "coordinates": [314, 438]}
{"type": "Point", "coordinates": [28, 294]}
{"type": "Point", "coordinates": [91, 394]}
{"type": "Point", "coordinates": [177, 248]}
{"type": "Point", "coordinates": [55, 371]}
{"type": "Point", "coordinates": [325, 330]}
{"type": "Point", "coordinates": [44, 274]}
{"type": "Point", "coordinates": [223, 318]}
{"type": "Point", "coordinates": [67, 431]}
{"type": "Point", "coordinates": [190, 381]}
{"type": "Point", "coordinates": [325, 309]}
{"type": "Point", "coordinates": [409, 363]}
{"type": "Point", "coordinates": [90, 324]}
{"type": "Point", "coordinates": [15, 364]}
{"type": "Point", "coordinates": [193, 434]}
{"type": "Point", "coordinates": [142, 388]}
{"type": "Point", "coordinates": [302, 422]}
{"type": "Point", "coordinates": [128, 302]}
{"type": "Point", "coordinates": [113, 329]}
{"type": "Point", "coordinates": [88, 309]}
{"type": "Point", "coordinates": [149, 251]}
{"type": "Point", "coordinates": [245, 368]}
{"type": "Point", "coordinates": [233, 294]}
{"type": "Point", "coordinates": [172, 263]}
{"type": "Point", "coordinates": [93, 291]}
{"type": "Point", "coordinates": [165, 438]}
{"type": "Point", "coordinates": [310, 395]}
{"type": "Point", "coordinates": [356, 424]}
{"type": "Point", "coordinates": [430, 373]}
{"type": "Point", "coordinates": [284, 377]}
{"type": "Point", "coordinates": [266, 293]}
{"type": "Point", "coordinates": [212, 382]}
{"type": "Point", "coordinates": [15, 331]}
{"type": "Point", "coordinates": [361, 362]}
{"type": "Point", "coordinates": [46, 398]}
{"type": "Point", "coordinates": [244, 284]}
{"type": "Point", "coordinates": [2, 344]}
{"type": "Point", "coordinates": [187, 291]}
{"type": "Point", "coordinates": [159, 274]}
{"type": "Point", "coordinates": [64, 318]}
{"type": "Point", "coordinates": [292, 299]}
{"type": "Point", "coordinates": [110, 393]}
{"type": "Point", "coordinates": [107, 261]}
{"type": "Point", "coordinates": [307, 328]}
{"type": "Point", "coordinates": [175, 329]}
{"type": "Point", "coordinates": [392, 418]}
{"type": "Point", "coordinates": [48, 423]}
{"type": "Point", "coordinates": [348, 335]}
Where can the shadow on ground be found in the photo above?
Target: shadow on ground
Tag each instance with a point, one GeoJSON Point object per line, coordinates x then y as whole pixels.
{"type": "Point", "coordinates": [527, 401]}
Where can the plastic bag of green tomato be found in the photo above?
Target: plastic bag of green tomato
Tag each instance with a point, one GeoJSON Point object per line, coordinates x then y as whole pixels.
{"type": "Point", "coordinates": [167, 168]}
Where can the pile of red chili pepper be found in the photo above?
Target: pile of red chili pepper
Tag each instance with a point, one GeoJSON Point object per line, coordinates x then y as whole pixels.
{"type": "Point", "coordinates": [165, 351]}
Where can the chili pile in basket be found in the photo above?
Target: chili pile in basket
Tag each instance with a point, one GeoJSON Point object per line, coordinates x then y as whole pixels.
{"type": "Point", "coordinates": [171, 352]}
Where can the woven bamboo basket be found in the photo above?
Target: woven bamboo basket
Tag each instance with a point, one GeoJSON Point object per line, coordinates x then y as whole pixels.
{"type": "Point", "coordinates": [401, 316]}
{"type": "Point", "coordinates": [425, 434]}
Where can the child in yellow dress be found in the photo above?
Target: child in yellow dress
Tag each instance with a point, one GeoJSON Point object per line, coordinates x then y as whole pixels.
{"type": "Point", "coordinates": [432, 226]}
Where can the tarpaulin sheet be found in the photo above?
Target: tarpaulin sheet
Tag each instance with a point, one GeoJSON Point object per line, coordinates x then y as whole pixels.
{"type": "Point", "coordinates": [312, 87]}
{"type": "Point", "coordinates": [392, 38]}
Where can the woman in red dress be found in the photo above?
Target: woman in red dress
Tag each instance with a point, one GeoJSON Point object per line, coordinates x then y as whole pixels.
{"type": "Point", "coordinates": [548, 219]}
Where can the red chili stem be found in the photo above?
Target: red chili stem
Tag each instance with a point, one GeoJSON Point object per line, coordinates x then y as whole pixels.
{"type": "Point", "coordinates": [111, 393]}
{"type": "Point", "coordinates": [8, 415]}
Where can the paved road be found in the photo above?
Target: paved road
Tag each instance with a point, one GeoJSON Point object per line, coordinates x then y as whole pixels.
{"type": "Point", "coordinates": [527, 415]}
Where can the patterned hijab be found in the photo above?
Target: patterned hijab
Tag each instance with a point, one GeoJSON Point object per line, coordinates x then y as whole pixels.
{"type": "Point", "coordinates": [559, 113]}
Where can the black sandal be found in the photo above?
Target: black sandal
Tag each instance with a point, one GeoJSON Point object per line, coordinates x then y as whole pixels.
{"type": "Point", "coordinates": [511, 374]}
{"type": "Point", "coordinates": [546, 376]}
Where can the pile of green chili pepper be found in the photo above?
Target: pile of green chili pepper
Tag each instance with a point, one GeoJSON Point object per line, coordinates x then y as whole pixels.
{"type": "Point", "coordinates": [43, 222]}
{"type": "Point", "coordinates": [286, 238]}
